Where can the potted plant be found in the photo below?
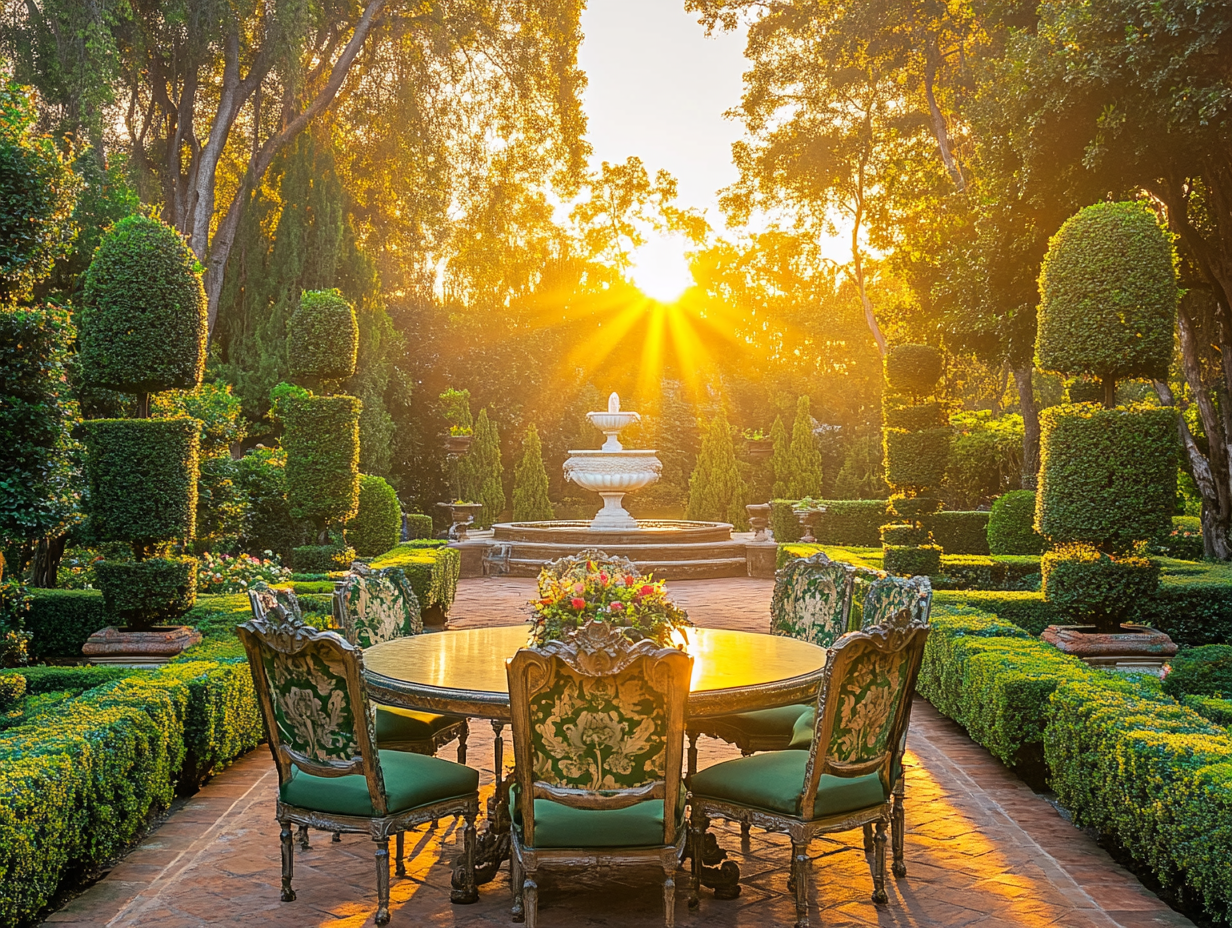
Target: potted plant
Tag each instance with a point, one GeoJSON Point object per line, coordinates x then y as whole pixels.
{"type": "Point", "coordinates": [459, 440]}
{"type": "Point", "coordinates": [456, 410]}
{"type": "Point", "coordinates": [462, 514]}
{"type": "Point", "coordinates": [807, 511]}
{"type": "Point", "coordinates": [758, 445]}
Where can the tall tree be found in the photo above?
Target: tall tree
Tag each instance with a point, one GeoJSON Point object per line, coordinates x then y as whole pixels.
{"type": "Point", "coordinates": [717, 491]}
{"type": "Point", "coordinates": [530, 482]}
{"type": "Point", "coordinates": [804, 458]}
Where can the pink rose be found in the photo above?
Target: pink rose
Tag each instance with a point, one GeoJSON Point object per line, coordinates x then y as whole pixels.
{"type": "Point", "coordinates": [616, 607]}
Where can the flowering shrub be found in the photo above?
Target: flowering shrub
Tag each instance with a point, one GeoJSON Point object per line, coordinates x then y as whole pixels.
{"type": "Point", "coordinates": [222, 573]}
{"type": "Point", "coordinates": [586, 589]}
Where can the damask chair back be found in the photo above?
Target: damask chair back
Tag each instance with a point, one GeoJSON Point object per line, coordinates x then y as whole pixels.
{"type": "Point", "coordinates": [263, 598]}
{"type": "Point", "coordinates": [888, 596]}
{"type": "Point", "coordinates": [588, 561]}
{"type": "Point", "coordinates": [598, 723]}
{"type": "Point", "coordinates": [812, 599]}
{"type": "Point", "coordinates": [372, 606]}
{"type": "Point", "coordinates": [863, 706]}
{"type": "Point", "coordinates": [309, 685]}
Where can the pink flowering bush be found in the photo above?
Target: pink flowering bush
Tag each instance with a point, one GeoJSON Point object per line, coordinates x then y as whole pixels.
{"type": "Point", "coordinates": [578, 591]}
{"type": "Point", "coordinates": [224, 573]}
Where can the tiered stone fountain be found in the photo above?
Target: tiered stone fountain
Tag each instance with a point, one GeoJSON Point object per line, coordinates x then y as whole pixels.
{"type": "Point", "coordinates": [671, 549]}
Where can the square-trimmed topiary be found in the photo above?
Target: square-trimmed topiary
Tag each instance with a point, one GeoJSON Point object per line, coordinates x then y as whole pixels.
{"type": "Point", "coordinates": [60, 621]}
{"type": "Point", "coordinates": [1093, 587]}
{"type": "Point", "coordinates": [960, 531]}
{"type": "Point", "coordinates": [320, 559]}
{"type": "Point", "coordinates": [377, 525]}
{"type": "Point", "coordinates": [322, 445]}
{"type": "Point", "coordinates": [144, 320]}
{"type": "Point", "coordinates": [1107, 476]}
{"type": "Point", "coordinates": [323, 337]}
{"type": "Point", "coordinates": [141, 477]}
{"type": "Point", "coordinates": [418, 525]}
{"type": "Point", "coordinates": [917, 460]}
{"type": "Point", "coordinates": [915, 418]}
{"type": "Point", "coordinates": [912, 560]}
{"type": "Point", "coordinates": [904, 533]}
{"type": "Point", "coordinates": [1011, 525]}
{"type": "Point", "coordinates": [144, 593]}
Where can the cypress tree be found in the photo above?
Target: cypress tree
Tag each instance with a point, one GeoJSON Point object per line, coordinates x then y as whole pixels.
{"type": "Point", "coordinates": [530, 482]}
{"type": "Point", "coordinates": [780, 459]}
{"type": "Point", "coordinates": [485, 472]}
{"type": "Point", "coordinates": [804, 458]}
{"type": "Point", "coordinates": [717, 492]}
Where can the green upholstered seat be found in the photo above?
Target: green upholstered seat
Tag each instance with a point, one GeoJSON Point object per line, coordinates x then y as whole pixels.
{"type": "Point", "coordinates": [411, 780]}
{"type": "Point", "coordinates": [558, 825]}
{"type": "Point", "coordinates": [767, 723]}
{"type": "Point", "coordinates": [802, 730]}
{"type": "Point", "coordinates": [773, 780]}
{"type": "Point", "coordinates": [409, 725]}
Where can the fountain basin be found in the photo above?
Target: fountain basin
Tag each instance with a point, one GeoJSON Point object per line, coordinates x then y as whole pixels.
{"type": "Point", "coordinates": [612, 471]}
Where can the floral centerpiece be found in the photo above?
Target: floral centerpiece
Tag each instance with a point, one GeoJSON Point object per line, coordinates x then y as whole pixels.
{"type": "Point", "coordinates": [592, 585]}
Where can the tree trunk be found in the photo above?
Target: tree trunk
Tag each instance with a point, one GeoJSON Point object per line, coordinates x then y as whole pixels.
{"type": "Point", "coordinates": [1109, 391]}
{"type": "Point", "coordinates": [46, 562]}
{"type": "Point", "coordinates": [1030, 425]}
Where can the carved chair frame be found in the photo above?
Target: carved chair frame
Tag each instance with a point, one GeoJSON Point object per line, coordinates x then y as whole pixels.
{"type": "Point", "coordinates": [595, 650]}
{"type": "Point", "coordinates": [802, 828]}
{"type": "Point", "coordinates": [460, 730]}
{"type": "Point", "coordinates": [279, 631]}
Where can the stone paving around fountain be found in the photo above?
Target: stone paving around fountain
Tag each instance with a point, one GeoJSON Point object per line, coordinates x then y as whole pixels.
{"type": "Point", "coordinates": [982, 848]}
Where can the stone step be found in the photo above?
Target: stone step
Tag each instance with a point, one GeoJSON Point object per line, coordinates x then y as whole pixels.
{"type": "Point", "coordinates": [707, 569]}
{"type": "Point", "coordinates": [705, 551]}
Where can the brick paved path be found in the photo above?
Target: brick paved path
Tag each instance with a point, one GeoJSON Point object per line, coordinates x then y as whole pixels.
{"type": "Point", "coordinates": [982, 849]}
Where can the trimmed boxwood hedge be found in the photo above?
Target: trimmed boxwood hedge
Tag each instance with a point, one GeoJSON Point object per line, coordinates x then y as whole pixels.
{"type": "Point", "coordinates": [141, 479]}
{"type": "Point", "coordinates": [916, 460]}
{"type": "Point", "coordinates": [321, 559]}
{"type": "Point", "coordinates": [912, 560]}
{"type": "Point", "coordinates": [144, 319]}
{"type": "Point", "coordinates": [1201, 671]}
{"type": "Point", "coordinates": [418, 525]}
{"type": "Point", "coordinates": [144, 593]}
{"type": "Point", "coordinates": [1088, 586]}
{"type": "Point", "coordinates": [322, 445]}
{"type": "Point", "coordinates": [960, 532]}
{"type": "Point", "coordinates": [323, 337]}
{"type": "Point", "coordinates": [848, 522]}
{"type": "Point", "coordinates": [60, 621]}
{"type": "Point", "coordinates": [378, 523]}
{"type": "Point", "coordinates": [904, 533]}
{"type": "Point", "coordinates": [433, 572]}
{"type": "Point", "coordinates": [12, 689]}
{"type": "Point", "coordinates": [1011, 525]}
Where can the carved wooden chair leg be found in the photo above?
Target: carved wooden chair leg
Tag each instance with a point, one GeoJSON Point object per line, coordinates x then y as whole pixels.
{"type": "Point", "coordinates": [288, 862]}
{"type": "Point", "coordinates": [530, 902]}
{"type": "Point", "coordinates": [692, 768]}
{"type": "Point", "coordinates": [463, 734]}
{"type": "Point", "coordinates": [898, 826]}
{"type": "Point", "coordinates": [337, 837]}
{"type": "Point", "coordinates": [469, 891]}
{"type": "Point", "coordinates": [799, 873]}
{"type": "Point", "coordinates": [382, 881]}
{"type": "Point", "coordinates": [880, 895]}
{"type": "Point", "coordinates": [697, 831]}
{"type": "Point", "coordinates": [399, 850]}
{"type": "Point", "coordinates": [868, 839]}
{"type": "Point", "coordinates": [515, 885]}
{"type": "Point", "coordinates": [744, 832]}
{"type": "Point", "coordinates": [303, 838]}
{"type": "Point", "coordinates": [669, 894]}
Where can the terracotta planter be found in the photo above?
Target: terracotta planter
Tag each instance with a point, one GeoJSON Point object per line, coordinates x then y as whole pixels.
{"type": "Point", "coordinates": [458, 444]}
{"type": "Point", "coordinates": [1135, 647]}
{"type": "Point", "coordinates": [758, 449]}
{"type": "Point", "coordinates": [139, 648]}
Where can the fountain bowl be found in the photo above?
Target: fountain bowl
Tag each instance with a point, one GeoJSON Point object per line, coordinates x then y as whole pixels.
{"type": "Point", "coordinates": [612, 471]}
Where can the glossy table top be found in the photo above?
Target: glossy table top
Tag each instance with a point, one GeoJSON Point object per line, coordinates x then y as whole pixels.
{"type": "Point", "coordinates": [464, 671]}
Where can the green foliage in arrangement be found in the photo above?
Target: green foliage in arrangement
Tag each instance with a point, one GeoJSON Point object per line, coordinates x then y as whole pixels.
{"type": "Point", "coordinates": [530, 483]}
{"type": "Point", "coordinates": [73, 680]}
{"type": "Point", "coordinates": [377, 525]}
{"type": "Point", "coordinates": [1203, 671]}
{"type": "Point", "coordinates": [143, 324]}
{"type": "Point", "coordinates": [432, 570]}
{"type": "Point", "coordinates": [913, 508]}
{"type": "Point", "coordinates": [36, 473]}
{"type": "Point", "coordinates": [1108, 295]}
{"type": "Point", "coordinates": [971, 572]}
{"type": "Point", "coordinates": [717, 492]}
{"type": "Point", "coordinates": [262, 477]}
{"type": "Point", "coordinates": [323, 338]}
{"type": "Point", "coordinates": [141, 479]}
{"type": "Point", "coordinates": [320, 559]}
{"type": "Point", "coordinates": [456, 410]}
{"type": "Point", "coordinates": [985, 458]}
{"type": "Point", "coordinates": [960, 532]}
{"type": "Point", "coordinates": [1184, 541]}
{"type": "Point", "coordinates": [917, 460]}
{"type": "Point", "coordinates": [1090, 586]}
{"type": "Point", "coordinates": [1107, 476]}
{"type": "Point", "coordinates": [915, 418]}
{"type": "Point", "coordinates": [1011, 525]}
{"type": "Point", "coordinates": [912, 560]}
{"type": "Point", "coordinates": [38, 192]}
{"type": "Point", "coordinates": [780, 458]}
{"type": "Point", "coordinates": [1086, 391]}
{"type": "Point", "coordinates": [913, 370]}
{"type": "Point", "coordinates": [321, 442]}
{"type": "Point", "coordinates": [419, 525]}
{"type": "Point", "coordinates": [803, 476]}
{"type": "Point", "coordinates": [144, 593]}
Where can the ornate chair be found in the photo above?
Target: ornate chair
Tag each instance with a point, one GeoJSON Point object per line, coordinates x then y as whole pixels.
{"type": "Point", "coordinates": [372, 606]}
{"type": "Point", "coordinates": [845, 779]}
{"type": "Point", "coordinates": [318, 721]}
{"type": "Point", "coordinates": [812, 602]}
{"type": "Point", "coordinates": [598, 733]}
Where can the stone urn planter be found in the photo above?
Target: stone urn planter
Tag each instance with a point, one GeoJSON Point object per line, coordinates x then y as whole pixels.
{"type": "Point", "coordinates": [808, 521]}
{"type": "Point", "coordinates": [128, 648]}
{"type": "Point", "coordinates": [759, 519]}
{"type": "Point", "coordinates": [1134, 647]}
{"type": "Point", "coordinates": [758, 449]}
{"type": "Point", "coordinates": [462, 515]}
{"type": "Point", "coordinates": [458, 444]}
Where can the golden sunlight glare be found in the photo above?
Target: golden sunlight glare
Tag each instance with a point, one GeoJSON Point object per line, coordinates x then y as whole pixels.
{"type": "Point", "coordinates": [661, 268]}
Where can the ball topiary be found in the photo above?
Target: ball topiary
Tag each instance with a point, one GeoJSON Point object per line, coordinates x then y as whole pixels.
{"type": "Point", "coordinates": [1092, 587]}
{"type": "Point", "coordinates": [1107, 476]}
{"type": "Point", "coordinates": [141, 479]}
{"type": "Point", "coordinates": [913, 369]}
{"type": "Point", "coordinates": [1011, 525]}
{"type": "Point", "coordinates": [323, 337]}
{"type": "Point", "coordinates": [1108, 295]}
{"type": "Point", "coordinates": [378, 523]}
{"type": "Point", "coordinates": [912, 560]}
{"type": "Point", "coordinates": [144, 593]}
{"type": "Point", "coordinates": [144, 319]}
{"type": "Point", "coordinates": [1204, 671]}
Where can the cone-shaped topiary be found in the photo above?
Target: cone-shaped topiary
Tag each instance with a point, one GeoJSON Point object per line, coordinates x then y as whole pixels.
{"type": "Point", "coordinates": [717, 492]}
{"type": "Point", "coordinates": [377, 526]}
{"type": "Point", "coordinates": [530, 482]}
{"type": "Point", "coordinates": [144, 322]}
{"type": "Point", "coordinates": [323, 337]}
{"type": "Point", "coordinates": [804, 458]}
{"type": "Point", "coordinates": [484, 473]}
{"type": "Point", "coordinates": [780, 458]}
{"type": "Point", "coordinates": [1108, 296]}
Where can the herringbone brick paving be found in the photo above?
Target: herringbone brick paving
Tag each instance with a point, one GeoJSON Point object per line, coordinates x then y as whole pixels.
{"type": "Point", "coordinates": [982, 848]}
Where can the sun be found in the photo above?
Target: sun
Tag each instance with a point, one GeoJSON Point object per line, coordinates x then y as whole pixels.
{"type": "Point", "coordinates": [660, 268]}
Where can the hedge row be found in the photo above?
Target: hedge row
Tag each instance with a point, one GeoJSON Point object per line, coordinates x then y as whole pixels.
{"type": "Point", "coordinates": [853, 522]}
{"type": "Point", "coordinates": [957, 572]}
{"type": "Point", "coordinates": [1122, 757]}
{"type": "Point", "coordinates": [433, 571]}
{"type": "Point", "coordinates": [960, 532]}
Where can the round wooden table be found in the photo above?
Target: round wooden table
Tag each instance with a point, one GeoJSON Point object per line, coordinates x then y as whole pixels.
{"type": "Point", "coordinates": [463, 672]}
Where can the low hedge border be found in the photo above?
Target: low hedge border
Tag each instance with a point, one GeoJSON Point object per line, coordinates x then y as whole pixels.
{"type": "Point", "coordinates": [846, 522]}
{"type": "Point", "coordinates": [432, 569]}
{"type": "Point", "coordinates": [960, 531]}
